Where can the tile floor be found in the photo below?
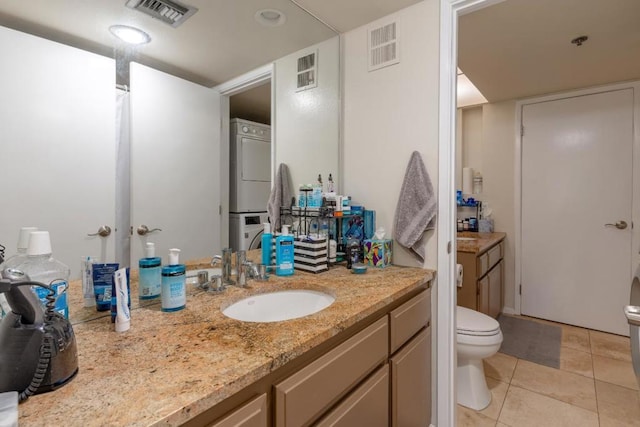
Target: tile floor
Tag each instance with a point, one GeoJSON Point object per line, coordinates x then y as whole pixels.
{"type": "Point", "coordinates": [595, 386]}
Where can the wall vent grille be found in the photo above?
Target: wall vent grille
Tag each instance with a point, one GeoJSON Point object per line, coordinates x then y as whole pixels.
{"type": "Point", "coordinates": [383, 46]}
{"type": "Point", "coordinates": [167, 11]}
{"type": "Point", "coordinates": [307, 73]}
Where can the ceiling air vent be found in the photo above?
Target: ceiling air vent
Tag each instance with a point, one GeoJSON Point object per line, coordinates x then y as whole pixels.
{"type": "Point", "coordinates": [307, 71]}
{"type": "Point", "coordinates": [383, 46]}
{"type": "Point", "coordinates": [169, 12]}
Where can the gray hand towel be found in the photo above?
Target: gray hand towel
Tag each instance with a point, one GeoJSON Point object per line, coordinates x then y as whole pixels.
{"type": "Point", "coordinates": [417, 206]}
{"type": "Point", "coordinates": [281, 195]}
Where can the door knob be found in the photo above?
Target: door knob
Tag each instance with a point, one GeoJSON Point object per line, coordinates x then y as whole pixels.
{"type": "Point", "coordinates": [103, 231]}
{"type": "Point", "coordinates": [620, 225]}
{"type": "Point", "coordinates": [143, 230]}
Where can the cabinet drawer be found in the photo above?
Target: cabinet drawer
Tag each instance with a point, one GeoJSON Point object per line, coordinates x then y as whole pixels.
{"type": "Point", "coordinates": [302, 397]}
{"type": "Point", "coordinates": [495, 289]}
{"type": "Point", "coordinates": [367, 406]}
{"type": "Point", "coordinates": [409, 318]}
{"type": "Point", "coordinates": [494, 254]}
{"type": "Point", "coordinates": [252, 414]}
{"type": "Point", "coordinates": [483, 264]}
{"type": "Point", "coordinates": [489, 259]}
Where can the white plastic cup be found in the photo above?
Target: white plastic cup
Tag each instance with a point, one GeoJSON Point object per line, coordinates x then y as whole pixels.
{"type": "Point", "coordinates": [39, 243]}
{"type": "Point", "coordinates": [9, 409]}
{"type": "Point", "coordinates": [23, 238]}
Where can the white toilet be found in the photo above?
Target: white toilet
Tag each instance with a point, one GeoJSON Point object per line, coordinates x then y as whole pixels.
{"type": "Point", "coordinates": [478, 336]}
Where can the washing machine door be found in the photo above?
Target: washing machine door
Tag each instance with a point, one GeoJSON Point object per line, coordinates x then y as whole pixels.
{"type": "Point", "coordinates": [256, 240]}
{"type": "Point", "coordinates": [632, 312]}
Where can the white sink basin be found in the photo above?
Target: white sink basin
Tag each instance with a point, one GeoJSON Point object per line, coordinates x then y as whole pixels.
{"type": "Point", "coordinates": [278, 306]}
{"type": "Point", "coordinates": [466, 238]}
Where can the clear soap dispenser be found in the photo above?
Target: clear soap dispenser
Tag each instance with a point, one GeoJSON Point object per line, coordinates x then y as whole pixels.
{"type": "Point", "coordinates": [174, 290]}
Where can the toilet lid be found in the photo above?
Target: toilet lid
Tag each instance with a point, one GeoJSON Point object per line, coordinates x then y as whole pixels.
{"type": "Point", "coordinates": [471, 322]}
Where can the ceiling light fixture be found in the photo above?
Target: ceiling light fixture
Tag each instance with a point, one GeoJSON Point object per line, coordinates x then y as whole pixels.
{"type": "Point", "coordinates": [270, 17]}
{"type": "Point", "coordinates": [579, 40]}
{"type": "Point", "coordinates": [129, 34]}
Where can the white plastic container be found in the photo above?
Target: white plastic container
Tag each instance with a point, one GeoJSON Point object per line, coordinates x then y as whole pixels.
{"type": "Point", "coordinates": [9, 409]}
{"type": "Point", "coordinates": [23, 244]}
{"type": "Point", "coordinates": [41, 267]}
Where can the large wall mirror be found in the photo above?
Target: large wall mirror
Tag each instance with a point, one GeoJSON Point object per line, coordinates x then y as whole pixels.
{"type": "Point", "coordinates": [65, 163]}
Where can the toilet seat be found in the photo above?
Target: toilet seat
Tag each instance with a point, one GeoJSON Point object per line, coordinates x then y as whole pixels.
{"type": "Point", "coordinates": [474, 323]}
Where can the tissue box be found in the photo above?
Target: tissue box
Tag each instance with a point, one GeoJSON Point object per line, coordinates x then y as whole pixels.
{"type": "Point", "coordinates": [378, 252]}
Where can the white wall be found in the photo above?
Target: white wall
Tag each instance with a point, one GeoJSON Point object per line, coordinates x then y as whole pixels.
{"type": "Point", "coordinates": [488, 146]}
{"type": "Point", "coordinates": [498, 159]}
{"type": "Point", "coordinates": [388, 114]}
{"type": "Point", "coordinates": [307, 122]}
{"type": "Point", "coordinates": [472, 139]}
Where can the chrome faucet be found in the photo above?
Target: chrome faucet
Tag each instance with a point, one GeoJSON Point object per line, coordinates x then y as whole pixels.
{"type": "Point", "coordinates": [245, 270]}
{"type": "Point", "coordinates": [225, 259]}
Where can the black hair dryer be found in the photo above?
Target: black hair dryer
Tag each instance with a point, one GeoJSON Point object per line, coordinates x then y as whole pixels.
{"type": "Point", "coordinates": [37, 346]}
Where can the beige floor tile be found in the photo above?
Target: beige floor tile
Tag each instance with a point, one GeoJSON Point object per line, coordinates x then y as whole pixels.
{"type": "Point", "coordinates": [500, 367]}
{"type": "Point", "coordinates": [501, 425]}
{"type": "Point", "coordinates": [614, 371]}
{"type": "Point", "coordinates": [566, 386]}
{"type": "Point", "coordinates": [498, 391]}
{"type": "Point", "coordinates": [576, 338]}
{"type": "Point", "coordinates": [576, 361]}
{"type": "Point", "coordinates": [617, 406]}
{"type": "Point", "coordinates": [523, 408]}
{"type": "Point", "coordinates": [609, 345]}
{"type": "Point", "coordinates": [470, 418]}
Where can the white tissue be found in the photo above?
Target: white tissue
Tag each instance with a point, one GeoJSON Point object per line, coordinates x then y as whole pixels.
{"type": "Point", "coordinates": [379, 234]}
{"type": "Point", "coordinates": [459, 275]}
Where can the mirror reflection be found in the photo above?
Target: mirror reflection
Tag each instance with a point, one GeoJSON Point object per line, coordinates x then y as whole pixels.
{"type": "Point", "coordinates": [163, 163]}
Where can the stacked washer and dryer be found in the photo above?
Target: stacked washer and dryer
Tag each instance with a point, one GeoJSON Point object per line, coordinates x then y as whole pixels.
{"type": "Point", "coordinates": [250, 182]}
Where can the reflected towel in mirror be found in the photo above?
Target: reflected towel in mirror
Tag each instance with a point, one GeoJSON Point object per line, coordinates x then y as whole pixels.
{"type": "Point", "coordinates": [281, 195]}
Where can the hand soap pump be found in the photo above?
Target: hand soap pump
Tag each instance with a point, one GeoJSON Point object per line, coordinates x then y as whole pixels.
{"type": "Point", "coordinates": [150, 275]}
{"type": "Point", "coordinates": [174, 292]}
{"type": "Point", "coordinates": [266, 245]}
{"type": "Point", "coordinates": [284, 253]}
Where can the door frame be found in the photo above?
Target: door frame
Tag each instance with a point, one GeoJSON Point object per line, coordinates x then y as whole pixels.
{"type": "Point", "coordinates": [253, 78]}
{"type": "Point", "coordinates": [635, 214]}
{"type": "Point", "coordinates": [446, 358]}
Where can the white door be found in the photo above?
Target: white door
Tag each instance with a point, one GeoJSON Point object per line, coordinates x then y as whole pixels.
{"type": "Point", "coordinates": [175, 161]}
{"type": "Point", "coordinates": [57, 145]}
{"type": "Point", "coordinates": [576, 178]}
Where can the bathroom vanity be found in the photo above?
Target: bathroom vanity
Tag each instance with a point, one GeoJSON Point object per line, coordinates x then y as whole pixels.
{"type": "Point", "coordinates": [365, 357]}
{"type": "Point", "coordinates": [481, 256]}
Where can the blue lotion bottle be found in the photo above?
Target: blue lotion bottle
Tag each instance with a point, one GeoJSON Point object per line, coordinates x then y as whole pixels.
{"type": "Point", "coordinates": [266, 245]}
{"type": "Point", "coordinates": [284, 253]}
{"type": "Point", "coordinates": [174, 291]}
{"type": "Point", "coordinates": [150, 274]}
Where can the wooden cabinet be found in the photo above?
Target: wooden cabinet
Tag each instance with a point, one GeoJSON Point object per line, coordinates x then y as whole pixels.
{"type": "Point", "coordinates": [411, 383]}
{"type": "Point", "coordinates": [379, 377]}
{"type": "Point", "coordinates": [305, 395]}
{"type": "Point", "coordinates": [367, 406]}
{"type": "Point", "coordinates": [251, 414]}
{"type": "Point", "coordinates": [482, 281]}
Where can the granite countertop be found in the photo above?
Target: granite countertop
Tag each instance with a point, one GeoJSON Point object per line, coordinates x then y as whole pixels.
{"type": "Point", "coordinates": [170, 367]}
{"type": "Point", "coordinates": [481, 241]}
